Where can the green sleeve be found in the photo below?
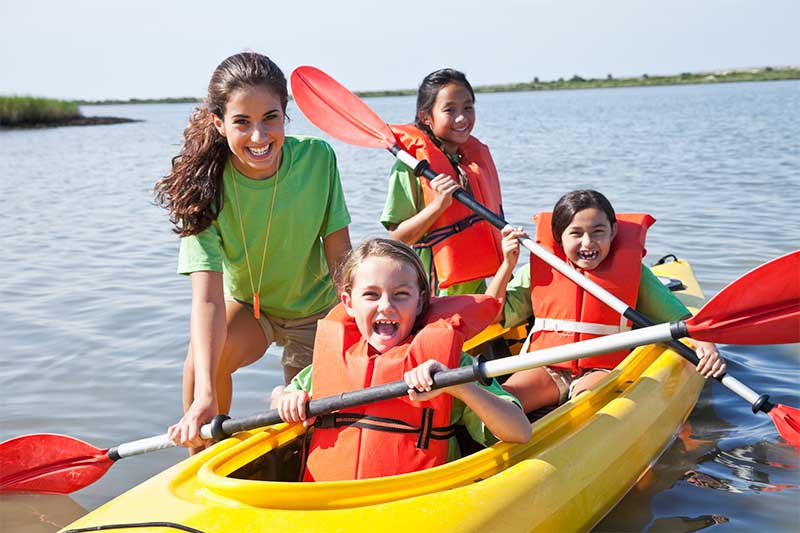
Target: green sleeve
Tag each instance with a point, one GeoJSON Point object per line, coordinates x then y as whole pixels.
{"type": "Point", "coordinates": [656, 302]}
{"type": "Point", "coordinates": [404, 198]}
{"type": "Point", "coordinates": [337, 215]}
{"type": "Point", "coordinates": [201, 252]}
{"type": "Point", "coordinates": [518, 306]}
{"type": "Point", "coordinates": [302, 381]}
{"type": "Point", "coordinates": [463, 415]}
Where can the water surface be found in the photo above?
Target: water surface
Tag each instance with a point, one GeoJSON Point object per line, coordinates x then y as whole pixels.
{"type": "Point", "coordinates": [94, 320]}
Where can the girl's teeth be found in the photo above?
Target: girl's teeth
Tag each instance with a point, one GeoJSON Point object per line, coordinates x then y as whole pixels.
{"type": "Point", "coordinates": [260, 151]}
{"type": "Point", "coordinates": [385, 327]}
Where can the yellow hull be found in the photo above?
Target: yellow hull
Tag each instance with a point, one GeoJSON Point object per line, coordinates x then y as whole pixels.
{"type": "Point", "coordinates": [582, 459]}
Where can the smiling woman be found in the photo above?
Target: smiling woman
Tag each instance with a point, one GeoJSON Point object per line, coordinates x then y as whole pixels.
{"type": "Point", "coordinates": [259, 274]}
{"type": "Point", "coordinates": [255, 137]}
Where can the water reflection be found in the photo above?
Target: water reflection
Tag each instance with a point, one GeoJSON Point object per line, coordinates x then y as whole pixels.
{"type": "Point", "coordinates": [37, 513]}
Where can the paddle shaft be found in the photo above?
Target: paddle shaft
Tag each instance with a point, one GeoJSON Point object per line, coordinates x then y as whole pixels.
{"type": "Point", "coordinates": [758, 402]}
{"type": "Point", "coordinates": [482, 371]}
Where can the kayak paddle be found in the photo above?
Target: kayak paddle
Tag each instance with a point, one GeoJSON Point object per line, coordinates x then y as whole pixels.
{"type": "Point", "coordinates": [343, 115]}
{"type": "Point", "coordinates": [740, 313]}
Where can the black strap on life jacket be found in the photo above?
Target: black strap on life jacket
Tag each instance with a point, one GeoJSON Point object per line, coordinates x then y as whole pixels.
{"type": "Point", "coordinates": [425, 431]}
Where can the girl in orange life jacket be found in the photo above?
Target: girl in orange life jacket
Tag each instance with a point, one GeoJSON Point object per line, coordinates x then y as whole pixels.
{"type": "Point", "coordinates": [375, 337]}
{"type": "Point", "coordinates": [457, 247]}
{"type": "Point", "coordinates": [587, 233]}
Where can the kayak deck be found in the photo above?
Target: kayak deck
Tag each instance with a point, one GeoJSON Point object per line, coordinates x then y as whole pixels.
{"type": "Point", "coordinates": [582, 459]}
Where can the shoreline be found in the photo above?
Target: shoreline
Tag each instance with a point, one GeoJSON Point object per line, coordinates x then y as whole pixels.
{"type": "Point", "coordinates": [576, 82]}
{"type": "Point", "coordinates": [76, 121]}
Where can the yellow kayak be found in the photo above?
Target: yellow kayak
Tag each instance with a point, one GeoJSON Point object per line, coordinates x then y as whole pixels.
{"type": "Point", "coordinates": [582, 459]}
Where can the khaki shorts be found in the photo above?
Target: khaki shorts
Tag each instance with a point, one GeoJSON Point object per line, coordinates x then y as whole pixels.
{"type": "Point", "coordinates": [295, 335]}
{"type": "Point", "coordinates": [566, 382]}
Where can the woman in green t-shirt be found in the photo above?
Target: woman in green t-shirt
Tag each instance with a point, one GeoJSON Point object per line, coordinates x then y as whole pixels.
{"type": "Point", "coordinates": [263, 223]}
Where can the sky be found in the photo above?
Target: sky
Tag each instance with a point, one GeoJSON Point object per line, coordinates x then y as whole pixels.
{"type": "Point", "coordinates": [110, 49]}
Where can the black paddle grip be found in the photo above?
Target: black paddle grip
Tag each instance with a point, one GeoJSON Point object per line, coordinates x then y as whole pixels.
{"type": "Point", "coordinates": [329, 404]}
{"type": "Point", "coordinates": [424, 169]}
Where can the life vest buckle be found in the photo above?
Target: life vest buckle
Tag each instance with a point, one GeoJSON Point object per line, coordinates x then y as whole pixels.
{"type": "Point", "coordinates": [325, 421]}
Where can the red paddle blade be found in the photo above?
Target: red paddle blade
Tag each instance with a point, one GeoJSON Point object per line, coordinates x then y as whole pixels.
{"type": "Point", "coordinates": [761, 307]}
{"type": "Point", "coordinates": [49, 464]}
{"type": "Point", "coordinates": [787, 420]}
{"type": "Point", "coordinates": [337, 111]}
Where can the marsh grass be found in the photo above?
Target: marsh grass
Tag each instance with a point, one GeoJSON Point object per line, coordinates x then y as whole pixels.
{"type": "Point", "coordinates": [578, 82]}
{"type": "Point", "coordinates": [23, 110]}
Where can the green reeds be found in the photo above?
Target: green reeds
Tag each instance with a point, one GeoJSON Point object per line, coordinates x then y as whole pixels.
{"type": "Point", "coordinates": [29, 110]}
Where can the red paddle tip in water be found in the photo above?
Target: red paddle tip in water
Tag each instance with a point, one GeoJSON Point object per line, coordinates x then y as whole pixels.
{"type": "Point", "coordinates": [787, 420]}
{"type": "Point", "coordinates": [50, 464]}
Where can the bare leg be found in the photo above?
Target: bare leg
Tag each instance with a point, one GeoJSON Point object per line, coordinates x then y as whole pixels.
{"type": "Point", "coordinates": [535, 388]}
{"type": "Point", "coordinates": [587, 382]}
{"type": "Point", "coordinates": [245, 343]}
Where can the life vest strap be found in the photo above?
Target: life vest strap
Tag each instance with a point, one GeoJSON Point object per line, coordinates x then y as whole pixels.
{"type": "Point", "coordinates": [573, 326]}
{"type": "Point", "coordinates": [440, 234]}
{"type": "Point", "coordinates": [425, 430]}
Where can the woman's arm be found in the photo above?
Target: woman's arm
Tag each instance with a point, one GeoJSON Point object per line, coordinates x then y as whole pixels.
{"type": "Point", "coordinates": [337, 246]}
{"type": "Point", "coordinates": [207, 332]}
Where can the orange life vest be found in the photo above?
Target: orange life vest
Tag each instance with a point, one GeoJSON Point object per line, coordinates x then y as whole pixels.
{"type": "Point", "coordinates": [392, 436]}
{"type": "Point", "coordinates": [465, 247]}
{"type": "Point", "coordinates": [565, 312]}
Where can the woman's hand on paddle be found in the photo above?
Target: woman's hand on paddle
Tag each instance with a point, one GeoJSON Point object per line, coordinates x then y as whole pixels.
{"type": "Point", "coordinates": [443, 186]}
{"type": "Point", "coordinates": [186, 432]}
{"type": "Point", "coordinates": [711, 365]}
{"type": "Point", "coordinates": [291, 407]}
{"type": "Point", "coordinates": [420, 381]}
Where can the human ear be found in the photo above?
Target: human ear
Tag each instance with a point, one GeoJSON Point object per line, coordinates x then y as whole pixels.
{"type": "Point", "coordinates": [613, 230]}
{"type": "Point", "coordinates": [424, 118]}
{"type": "Point", "coordinates": [219, 124]}
{"type": "Point", "coordinates": [347, 300]}
{"type": "Point", "coordinates": [420, 303]}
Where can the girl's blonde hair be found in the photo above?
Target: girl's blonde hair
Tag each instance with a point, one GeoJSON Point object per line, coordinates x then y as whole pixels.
{"type": "Point", "coordinates": [391, 249]}
{"type": "Point", "coordinates": [192, 192]}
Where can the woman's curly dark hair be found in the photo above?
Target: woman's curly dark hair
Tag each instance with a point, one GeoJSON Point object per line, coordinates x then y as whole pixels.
{"type": "Point", "coordinates": [192, 191]}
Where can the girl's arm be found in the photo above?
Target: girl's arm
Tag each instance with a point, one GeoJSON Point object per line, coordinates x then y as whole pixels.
{"type": "Point", "coordinates": [497, 287]}
{"type": "Point", "coordinates": [661, 305]}
{"type": "Point", "coordinates": [504, 419]}
{"type": "Point", "coordinates": [337, 246]}
{"type": "Point", "coordinates": [207, 332]}
{"type": "Point", "coordinates": [411, 230]}
{"type": "Point", "coordinates": [291, 400]}
{"type": "Point", "coordinates": [711, 364]}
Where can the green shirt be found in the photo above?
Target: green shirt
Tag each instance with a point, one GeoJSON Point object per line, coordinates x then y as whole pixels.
{"type": "Point", "coordinates": [309, 205]}
{"type": "Point", "coordinates": [404, 200]}
{"type": "Point", "coordinates": [460, 413]}
{"type": "Point", "coordinates": [654, 300]}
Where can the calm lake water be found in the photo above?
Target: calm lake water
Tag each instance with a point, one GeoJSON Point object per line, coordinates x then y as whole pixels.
{"type": "Point", "coordinates": [94, 320]}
